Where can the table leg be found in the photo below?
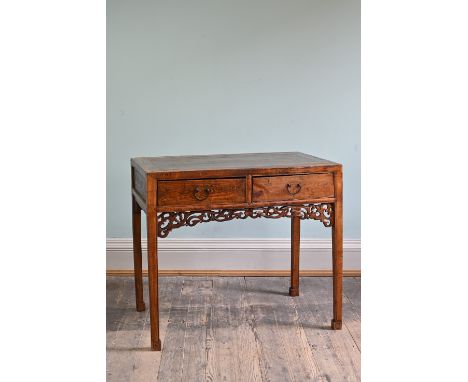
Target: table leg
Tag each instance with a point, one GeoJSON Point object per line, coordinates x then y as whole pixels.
{"type": "Point", "coordinates": [337, 255]}
{"type": "Point", "coordinates": [151, 223]}
{"type": "Point", "coordinates": [295, 245]}
{"type": "Point", "coordinates": [137, 260]}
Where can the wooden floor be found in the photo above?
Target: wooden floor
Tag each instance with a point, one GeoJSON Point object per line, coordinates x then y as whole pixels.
{"type": "Point", "coordinates": [234, 329]}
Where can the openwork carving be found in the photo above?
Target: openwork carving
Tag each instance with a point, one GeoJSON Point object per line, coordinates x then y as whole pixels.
{"type": "Point", "coordinates": [167, 221]}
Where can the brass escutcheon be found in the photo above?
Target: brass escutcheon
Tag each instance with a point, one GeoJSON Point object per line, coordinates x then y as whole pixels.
{"type": "Point", "coordinates": [202, 194]}
{"type": "Point", "coordinates": [296, 190]}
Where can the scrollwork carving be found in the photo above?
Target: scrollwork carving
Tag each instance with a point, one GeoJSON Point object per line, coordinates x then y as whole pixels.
{"type": "Point", "coordinates": [167, 221]}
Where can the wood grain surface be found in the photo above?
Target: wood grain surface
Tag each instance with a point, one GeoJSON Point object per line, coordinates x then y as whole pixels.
{"type": "Point", "coordinates": [189, 190]}
{"type": "Point", "coordinates": [203, 193]}
{"type": "Point", "coordinates": [197, 166]}
{"type": "Point", "coordinates": [234, 329]}
{"type": "Point", "coordinates": [227, 161]}
{"type": "Point", "coordinates": [292, 187]}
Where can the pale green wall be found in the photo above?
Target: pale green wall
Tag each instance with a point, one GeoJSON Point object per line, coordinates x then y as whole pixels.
{"type": "Point", "coordinates": [205, 77]}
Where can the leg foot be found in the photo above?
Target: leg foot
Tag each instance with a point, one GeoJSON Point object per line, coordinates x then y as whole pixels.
{"type": "Point", "coordinates": [336, 325]}
{"type": "Point", "coordinates": [156, 346]}
{"type": "Point", "coordinates": [293, 292]}
{"type": "Point", "coordinates": [140, 306]}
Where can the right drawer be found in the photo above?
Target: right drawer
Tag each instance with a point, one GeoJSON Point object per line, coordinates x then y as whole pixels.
{"type": "Point", "coordinates": [292, 187]}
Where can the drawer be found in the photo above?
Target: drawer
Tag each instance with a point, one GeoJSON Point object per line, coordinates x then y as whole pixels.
{"type": "Point", "coordinates": [202, 192]}
{"type": "Point", "coordinates": [292, 187]}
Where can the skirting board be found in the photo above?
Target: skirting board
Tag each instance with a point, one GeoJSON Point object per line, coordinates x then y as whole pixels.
{"type": "Point", "coordinates": [233, 273]}
{"type": "Point", "coordinates": [234, 257]}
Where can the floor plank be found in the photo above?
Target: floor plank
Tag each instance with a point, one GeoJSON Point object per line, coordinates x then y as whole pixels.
{"type": "Point", "coordinates": [231, 347]}
{"type": "Point", "coordinates": [146, 362]}
{"type": "Point", "coordinates": [124, 330]}
{"type": "Point", "coordinates": [282, 342]}
{"type": "Point", "coordinates": [172, 354]}
{"type": "Point", "coordinates": [352, 308]}
{"type": "Point", "coordinates": [234, 329]}
{"type": "Point", "coordinates": [352, 290]}
{"type": "Point", "coordinates": [335, 350]}
{"type": "Point", "coordinates": [194, 361]}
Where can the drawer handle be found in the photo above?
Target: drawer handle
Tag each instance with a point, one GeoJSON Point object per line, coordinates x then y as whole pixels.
{"type": "Point", "coordinates": [200, 194]}
{"type": "Point", "coordinates": [295, 191]}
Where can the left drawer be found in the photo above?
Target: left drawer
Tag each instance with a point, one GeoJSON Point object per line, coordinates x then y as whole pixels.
{"type": "Point", "coordinates": [201, 192]}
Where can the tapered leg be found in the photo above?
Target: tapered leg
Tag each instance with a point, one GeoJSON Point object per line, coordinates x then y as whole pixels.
{"type": "Point", "coordinates": [295, 245]}
{"type": "Point", "coordinates": [151, 223]}
{"type": "Point", "coordinates": [137, 261]}
{"type": "Point", "coordinates": [337, 254]}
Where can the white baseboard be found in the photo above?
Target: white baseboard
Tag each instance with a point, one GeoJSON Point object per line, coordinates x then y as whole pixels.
{"type": "Point", "coordinates": [233, 254]}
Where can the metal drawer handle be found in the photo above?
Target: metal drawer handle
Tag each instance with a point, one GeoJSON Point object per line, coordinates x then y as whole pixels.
{"type": "Point", "coordinates": [200, 194]}
{"type": "Point", "coordinates": [296, 190]}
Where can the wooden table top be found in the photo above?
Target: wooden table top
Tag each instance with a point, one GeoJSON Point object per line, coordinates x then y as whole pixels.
{"type": "Point", "coordinates": [189, 163]}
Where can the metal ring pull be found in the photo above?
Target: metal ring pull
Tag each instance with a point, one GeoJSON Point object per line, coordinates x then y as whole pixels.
{"type": "Point", "coordinates": [200, 194]}
{"type": "Point", "coordinates": [296, 190]}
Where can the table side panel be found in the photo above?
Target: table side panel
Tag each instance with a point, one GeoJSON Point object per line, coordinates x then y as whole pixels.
{"type": "Point", "coordinates": [139, 183]}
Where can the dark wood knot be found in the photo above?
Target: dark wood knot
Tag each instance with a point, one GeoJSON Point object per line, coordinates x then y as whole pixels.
{"type": "Point", "coordinates": [202, 194]}
{"type": "Point", "coordinates": [297, 188]}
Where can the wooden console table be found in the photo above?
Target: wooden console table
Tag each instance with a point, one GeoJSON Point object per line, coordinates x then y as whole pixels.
{"type": "Point", "coordinates": [187, 190]}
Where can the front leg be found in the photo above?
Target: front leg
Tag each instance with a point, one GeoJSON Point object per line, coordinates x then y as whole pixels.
{"type": "Point", "coordinates": [337, 254]}
{"type": "Point", "coordinates": [151, 223]}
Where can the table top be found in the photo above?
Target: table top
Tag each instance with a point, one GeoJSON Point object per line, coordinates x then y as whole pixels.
{"type": "Point", "coordinates": [229, 162]}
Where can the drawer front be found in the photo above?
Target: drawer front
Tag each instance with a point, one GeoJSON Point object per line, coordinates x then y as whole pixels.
{"type": "Point", "coordinates": [203, 192]}
{"type": "Point", "coordinates": [292, 187]}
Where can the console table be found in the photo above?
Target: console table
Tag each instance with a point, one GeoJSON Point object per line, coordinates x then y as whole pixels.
{"type": "Point", "coordinates": [177, 191]}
